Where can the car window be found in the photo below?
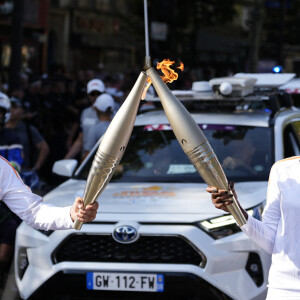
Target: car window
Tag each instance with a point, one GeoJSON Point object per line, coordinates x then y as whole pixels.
{"type": "Point", "coordinates": [153, 154]}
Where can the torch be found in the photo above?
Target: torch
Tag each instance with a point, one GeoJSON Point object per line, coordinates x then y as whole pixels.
{"type": "Point", "coordinates": [113, 145]}
{"type": "Point", "coordinates": [193, 142]}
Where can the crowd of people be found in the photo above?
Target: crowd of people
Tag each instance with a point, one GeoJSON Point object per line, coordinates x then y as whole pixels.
{"type": "Point", "coordinates": [52, 115]}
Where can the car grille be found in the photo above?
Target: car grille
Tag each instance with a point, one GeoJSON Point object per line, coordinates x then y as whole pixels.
{"type": "Point", "coordinates": [147, 249]}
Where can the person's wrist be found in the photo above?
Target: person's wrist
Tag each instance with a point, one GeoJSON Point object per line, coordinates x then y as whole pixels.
{"type": "Point", "coordinates": [72, 215]}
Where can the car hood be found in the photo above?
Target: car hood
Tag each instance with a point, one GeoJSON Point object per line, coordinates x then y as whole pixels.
{"type": "Point", "coordinates": [156, 201]}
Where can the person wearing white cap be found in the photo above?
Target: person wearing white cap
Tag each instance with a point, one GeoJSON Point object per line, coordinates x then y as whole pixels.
{"type": "Point", "coordinates": [103, 106]}
{"type": "Point", "coordinates": [95, 85]}
{"type": "Point", "coordinates": [88, 118]}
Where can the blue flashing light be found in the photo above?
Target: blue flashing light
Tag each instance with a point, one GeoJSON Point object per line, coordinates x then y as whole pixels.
{"type": "Point", "coordinates": [277, 69]}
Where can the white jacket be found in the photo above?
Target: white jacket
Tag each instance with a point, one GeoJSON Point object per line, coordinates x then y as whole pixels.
{"type": "Point", "coordinates": [28, 206]}
{"type": "Point", "coordinates": [279, 231]}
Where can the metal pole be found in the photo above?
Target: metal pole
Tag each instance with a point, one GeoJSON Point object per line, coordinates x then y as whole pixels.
{"type": "Point", "coordinates": [147, 58]}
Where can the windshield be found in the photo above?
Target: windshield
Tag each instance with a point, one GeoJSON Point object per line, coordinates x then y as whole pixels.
{"type": "Point", "coordinates": [154, 154]}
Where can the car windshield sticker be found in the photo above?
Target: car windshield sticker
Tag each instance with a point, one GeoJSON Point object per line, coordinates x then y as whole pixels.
{"type": "Point", "coordinates": [181, 169]}
{"type": "Point", "coordinates": [157, 127]}
{"type": "Point", "coordinates": [216, 127]}
{"type": "Point", "coordinates": [202, 126]}
{"type": "Point", "coordinates": [152, 191]}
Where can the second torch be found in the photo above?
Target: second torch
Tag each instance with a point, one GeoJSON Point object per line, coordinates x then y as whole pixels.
{"type": "Point", "coordinates": [193, 142]}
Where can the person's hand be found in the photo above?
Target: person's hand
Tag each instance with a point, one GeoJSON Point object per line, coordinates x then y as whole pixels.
{"type": "Point", "coordinates": [221, 198]}
{"type": "Point", "coordinates": [84, 215]}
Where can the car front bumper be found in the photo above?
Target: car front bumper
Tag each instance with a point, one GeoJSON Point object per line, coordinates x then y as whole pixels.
{"type": "Point", "coordinates": [222, 273]}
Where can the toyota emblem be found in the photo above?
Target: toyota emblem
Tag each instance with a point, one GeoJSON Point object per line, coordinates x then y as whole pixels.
{"type": "Point", "coordinates": [125, 234]}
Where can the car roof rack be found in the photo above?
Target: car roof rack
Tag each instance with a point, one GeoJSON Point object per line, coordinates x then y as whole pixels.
{"type": "Point", "coordinates": [268, 80]}
{"type": "Point", "coordinates": [239, 92]}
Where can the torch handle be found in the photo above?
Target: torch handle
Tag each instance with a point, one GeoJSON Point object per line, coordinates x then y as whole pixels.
{"type": "Point", "coordinates": [236, 212]}
{"type": "Point", "coordinates": [208, 166]}
{"type": "Point", "coordinates": [102, 169]}
{"type": "Point", "coordinates": [77, 224]}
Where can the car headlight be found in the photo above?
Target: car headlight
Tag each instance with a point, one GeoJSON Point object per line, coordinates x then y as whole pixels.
{"type": "Point", "coordinates": [226, 225]}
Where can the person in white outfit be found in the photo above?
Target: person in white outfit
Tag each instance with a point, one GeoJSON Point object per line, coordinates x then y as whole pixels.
{"type": "Point", "coordinates": [278, 232]}
{"type": "Point", "coordinates": [31, 208]}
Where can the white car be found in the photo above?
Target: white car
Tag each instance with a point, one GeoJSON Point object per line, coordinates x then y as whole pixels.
{"type": "Point", "coordinates": [157, 234]}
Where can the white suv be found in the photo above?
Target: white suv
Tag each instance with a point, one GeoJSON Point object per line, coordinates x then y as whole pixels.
{"type": "Point", "coordinates": [157, 235]}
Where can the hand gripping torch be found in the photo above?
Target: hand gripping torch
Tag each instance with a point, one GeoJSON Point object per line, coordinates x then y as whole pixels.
{"type": "Point", "coordinates": [112, 145]}
{"type": "Point", "coordinates": [193, 142]}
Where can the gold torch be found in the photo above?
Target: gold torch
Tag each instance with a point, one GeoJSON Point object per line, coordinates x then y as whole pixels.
{"type": "Point", "coordinates": [193, 142]}
{"type": "Point", "coordinates": [113, 145]}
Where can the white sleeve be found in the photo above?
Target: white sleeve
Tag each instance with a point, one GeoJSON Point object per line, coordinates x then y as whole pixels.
{"type": "Point", "coordinates": [28, 206]}
{"type": "Point", "coordinates": [264, 232]}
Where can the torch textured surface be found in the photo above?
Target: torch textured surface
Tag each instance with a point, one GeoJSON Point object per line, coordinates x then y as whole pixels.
{"type": "Point", "coordinates": [113, 145]}
{"type": "Point", "coordinates": [102, 169]}
{"type": "Point", "coordinates": [206, 163]}
{"type": "Point", "coordinates": [193, 142]}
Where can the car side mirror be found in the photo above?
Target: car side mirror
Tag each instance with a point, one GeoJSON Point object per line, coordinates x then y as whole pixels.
{"type": "Point", "coordinates": [65, 167]}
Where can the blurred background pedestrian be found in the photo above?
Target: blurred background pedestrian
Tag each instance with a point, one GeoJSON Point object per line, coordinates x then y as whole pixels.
{"type": "Point", "coordinates": [103, 106]}
{"type": "Point", "coordinates": [35, 148]}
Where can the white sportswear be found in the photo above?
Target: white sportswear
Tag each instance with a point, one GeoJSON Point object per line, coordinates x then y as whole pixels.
{"type": "Point", "coordinates": [279, 231]}
{"type": "Point", "coordinates": [28, 206]}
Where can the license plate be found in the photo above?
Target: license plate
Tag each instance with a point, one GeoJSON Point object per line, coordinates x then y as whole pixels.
{"type": "Point", "coordinates": [125, 282]}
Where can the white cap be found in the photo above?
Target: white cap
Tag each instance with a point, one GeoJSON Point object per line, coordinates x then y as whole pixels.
{"type": "Point", "coordinates": [103, 102]}
{"type": "Point", "coordinates": [95, 85]}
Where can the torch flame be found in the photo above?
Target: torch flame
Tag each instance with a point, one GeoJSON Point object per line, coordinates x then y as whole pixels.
{"type": "Point", "coordinates": [181, 66]}
{"type": "Point", "coordinates": [149, 82]}
{"type": "Point", "coordinates": [169, 74]}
